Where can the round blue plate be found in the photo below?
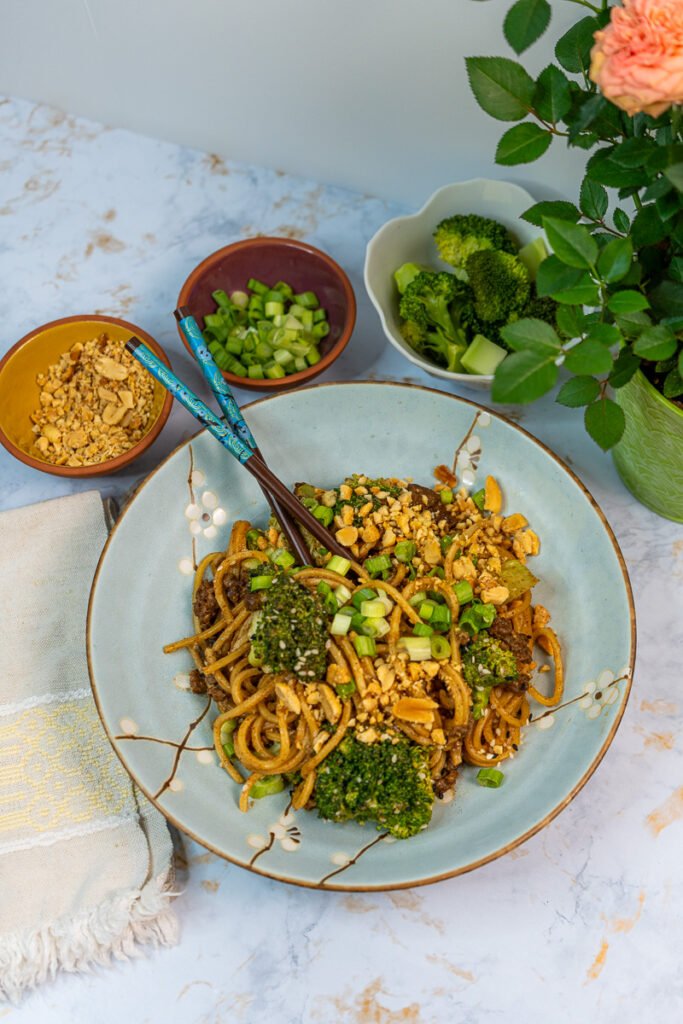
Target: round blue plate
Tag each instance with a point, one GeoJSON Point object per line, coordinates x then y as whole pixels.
{"type": "Point", "coordinates": [140, 600]}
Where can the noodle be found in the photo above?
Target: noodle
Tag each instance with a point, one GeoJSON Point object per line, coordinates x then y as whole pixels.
{"type": "Point", "coordinates": [272, 725]}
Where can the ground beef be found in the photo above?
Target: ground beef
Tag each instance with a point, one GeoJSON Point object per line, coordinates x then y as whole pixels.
{"type": "Point", "coordinates": [431, 501]}
{"type": "Point", "coordinates": [446, 782]}
{"type": "Point", "coordinates": [200, 683]}
{"type": "Point", "coordinates": [197, 681]}
{"type": "Point", "coordinates": [236, 587]}
{"type": "Point", "coordinates": [205, 604]}
{"type": "Point", "coordinates": [518, 643]}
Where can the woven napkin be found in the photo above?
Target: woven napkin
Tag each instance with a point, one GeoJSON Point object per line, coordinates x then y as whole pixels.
{"type": "Point", "coordinates": [85, 860]}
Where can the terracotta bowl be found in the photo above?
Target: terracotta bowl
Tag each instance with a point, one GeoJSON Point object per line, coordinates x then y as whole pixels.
{"type": "Point", "coordinates": [19, 393]}
{"type": "Point", "coordinates": [271, 260]}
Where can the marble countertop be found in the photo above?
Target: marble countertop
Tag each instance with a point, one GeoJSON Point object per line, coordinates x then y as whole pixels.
{"type": "Point", "coordinates": [583, 922]}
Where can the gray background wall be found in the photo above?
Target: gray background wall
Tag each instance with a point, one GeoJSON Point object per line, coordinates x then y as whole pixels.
{"type": "Point", "coordinates": [371, 94]}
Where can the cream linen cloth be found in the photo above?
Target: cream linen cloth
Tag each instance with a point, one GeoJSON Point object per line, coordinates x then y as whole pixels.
{"type": "Point", "coordinates": [85, 860]}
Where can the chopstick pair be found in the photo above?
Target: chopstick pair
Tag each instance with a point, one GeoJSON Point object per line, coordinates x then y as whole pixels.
{"type": "Point", "coordinates": [233, 414]}
{"type": "Point", "coordinates": [234, 436]}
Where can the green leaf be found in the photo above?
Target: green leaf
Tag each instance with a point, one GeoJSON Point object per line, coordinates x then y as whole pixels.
{"type": "Point", "coordinates": [524, 376]}
{"type": "Point", "coordinates": [676, 269]}
{"type": "Point", "coordinates": [586, 115]}
{"type": "Point", "coordinates": [655, 343]}
{"type": "Point", "coordinates": [680, 361]}
{"type": "Point", "coordinates": [667, 299]}
{"type": "Point", "coordinates": [633, 152]}
{"type": "Point", "coordinates": [606, 171]}
{"type": "Point", "coordinates": [606, 334]}
{"type": "Point", "coordinates": [621, 220]}
{"type": "Point", "coordinates": [656, 190]}
{"type": "Point", "coordinates": [553, 276]}
{"type": "Point", "coordinates": [668, 205]}
{"type": "Point", "coordinates": [573, 49]}
{"type": "Point", "coordinates": [552, 97]}
{"type": "Point", "coordinates": [501, 87]}
{"type": "Point", "coordinates": [647, 227]}
{"type": "Point", "coordinates": [583, 293]}
{"type": "Point", "coordinates": [625, 365]}
{"type": "Point", "coordinates": [615, 259]}
{"type": "Point", "coordinates": [673, 384]}
{"type": "Point", "coordinates": [632, 324]}
{"type": "Point", "coordinates": [578, 391]}
{"type": "Point", "coordinates": [594, 200]}
{"type": "Point", "coordinates": [605, 422]}
{"type": "Point", "coordinates": [627, 302]}
{"type": "Point", "coordinates": [522, 144]}
{"type": "Point", "coordinates": [572, 243]}
{"type": "Point", "coordinates": [531, 335]}
{"type": "Point", "coordinates": [675, 175]}
{"type": "Point", "coordinates": [589, 356]}
{"type": "Point", "coordinates": [525, 22]}
{"type": "Point", "coordinates": [570, 321]}
{"type": "Point", "coordinates": [551, 208]}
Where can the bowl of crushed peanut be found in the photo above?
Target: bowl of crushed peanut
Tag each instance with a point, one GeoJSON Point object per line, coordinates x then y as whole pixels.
{"type": "Point", "coordinates": [74, 402]}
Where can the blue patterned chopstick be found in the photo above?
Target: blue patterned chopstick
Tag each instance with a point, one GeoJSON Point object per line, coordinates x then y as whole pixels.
{"type": "Point", "coordinates": [216, 381]}
{"type": "Point", "coordinates": [225, 398]}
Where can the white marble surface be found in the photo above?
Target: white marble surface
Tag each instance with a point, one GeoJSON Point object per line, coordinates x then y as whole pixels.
{"type": "Point", "coordinates": [581, 923]}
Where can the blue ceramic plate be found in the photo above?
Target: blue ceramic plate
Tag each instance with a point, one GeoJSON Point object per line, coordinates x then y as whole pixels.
{"type": "Point", "coordinates": [141, 600]}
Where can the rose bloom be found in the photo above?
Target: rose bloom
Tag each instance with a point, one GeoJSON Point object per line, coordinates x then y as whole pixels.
{"type": "Point", "coordinates": [637, 60]}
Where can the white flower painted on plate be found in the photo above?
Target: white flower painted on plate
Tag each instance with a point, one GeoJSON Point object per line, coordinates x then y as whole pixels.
{"type": "Point", "coordinates": [186, 566]}
{"type": "Point", "coordinates": [206, 515]}
{"type": "Point", "coordinates": [197, 478]}
{"type": "Point", "coordinates": [599, 694]}
{"type": "Point", "coordinates": [205, 756]}
{"type": "Point", "coordinates": [340, 859]}
{"type": "Point", "coordinates": [284, 831]}
{"type": "Point", "coordinates": [176, 785]}
{"type": "Point", "coordinates": [129, 726]}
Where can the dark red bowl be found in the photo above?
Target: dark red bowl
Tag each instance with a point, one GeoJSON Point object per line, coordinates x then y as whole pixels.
{"type": "Point", "coordinates": [270, 260]}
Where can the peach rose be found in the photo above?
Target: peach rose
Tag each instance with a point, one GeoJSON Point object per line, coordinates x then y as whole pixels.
{"type": "Point", "coordinates": [637, 60]}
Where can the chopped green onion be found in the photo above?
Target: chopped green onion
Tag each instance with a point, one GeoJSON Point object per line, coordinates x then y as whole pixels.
{"type": "Point", "coordinates": [418, 598]}
{"type": "Point", "coordinates": [463, 591]}
{"type": "Point", "coordinates": [323, 588]}
{"type": "Point", "coordinates": [346, 689]}
{"type": "Point", "coordinates": [419, 648]}
{"type": "Point", "coordinates": [426, 610]}
{"type": "Point", "coordinates": [477, 616]}
{"type": "Point", "coordinates": [253, 658]}
{"type": "Point", "coordinates": [365, 594]}
{"type": "Point", "coordinates": [306, 491]}
{"type": "Point", "coordinates": [441, 615]}
{"type": "Point", "coordinates": [331, 604]}
{"type": "Point", "coordinates": [479, 497]}
{"type": "Point", "coordinates": [336, 564]}
{"type": "Point", "coordinates": [283, 558]}
{"type": "Point", "coordinates": [490, 777]}
{"type": "Point", "coordinates": [267, 786]}
{"type": "Point", "coordinates": [405, 550]}
{"type": "Point", "coordinates": [240, 299]}
{"type": "Point", "coordinates": [274, 371]}
{"type": "Point", "coordinates": [422, 629]}
{"type": "Point", "coordinates": [440, 648]}
{"type": "Point", "coordinates": [252, 538]}
{"type": "Point", "coordinates": [386, 601]}
{"type": "Point", "coordinates": [342, 593]}
{"type": "Point", "coordinates": [372, 609]}
{"type": "Point", "coordinates": [260, 582]}
{"type": "Point", "coordinates": [227, 729]}
{"type": "Point", "coordinates": [446, 543]}
{"type": "Point", "coordinates": [309, 300]}
{"type": "Point", "coordinates": [365, 646]}
{"type": "Point", "coordinates": [381, 627]}
{"type": "Point", "coordinates": [257, 286]}
{"type": "Point", "coordinates": [377, 565]}
{"type": "Point", "coordinates": [446, 495]}
{"type": "Point", "coordinates": [341, 624]}
{"type": "Point", "coordinates": [437, 571]}
{"type": "Point", "coordinates": [324, 514]}
{"type": "Point", "coordinates": [220, 298]}
{"type": "Point", "coordinates": [368, 627]}
{"type": "Point", "coordinates": [347, 610]}
{"type": "Point", "coordinates": [320, 330]}
{"type": "Point", "coordinates": [255, 372]}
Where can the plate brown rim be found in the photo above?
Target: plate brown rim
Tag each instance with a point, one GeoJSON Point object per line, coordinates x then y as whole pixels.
{"type": "Point", "coordinates": [513, 844]}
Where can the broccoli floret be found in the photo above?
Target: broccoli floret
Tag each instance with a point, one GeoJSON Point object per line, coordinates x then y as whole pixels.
{"type": "Point", "coordinates": [485, 664]}
{"type": "Point", "coordinates": [292, 630]}
{"type": "Point", "coordinates": [434, 345]}
{"type": "Point", "coordinates": [458, 237]}
{"type": "Point", "coordinates": [405, 274]}
{"type": "Point", "coordinates": [500, 283]}
{"type": "Point", "coordinates": [427, 298]}
{"type": "Point", "coordinates": [543, 308]}
{"type": "Point", "coordinates": [389, 783]}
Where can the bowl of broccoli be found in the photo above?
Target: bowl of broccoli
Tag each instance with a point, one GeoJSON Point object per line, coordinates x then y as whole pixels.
{"type": "Point", "coordinates": [446, 279]}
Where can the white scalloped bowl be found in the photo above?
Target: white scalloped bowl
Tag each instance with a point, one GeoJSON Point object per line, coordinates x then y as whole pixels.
{"type": "Point", "coordinates": [410, 238]}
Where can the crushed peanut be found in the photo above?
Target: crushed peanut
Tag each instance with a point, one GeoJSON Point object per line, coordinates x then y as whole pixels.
{"type": "Point", "coordinates": [95, 403]}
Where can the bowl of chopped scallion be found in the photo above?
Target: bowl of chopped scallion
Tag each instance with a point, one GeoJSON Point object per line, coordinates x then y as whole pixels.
{"type": "Point", "coordinates": [274, 312]}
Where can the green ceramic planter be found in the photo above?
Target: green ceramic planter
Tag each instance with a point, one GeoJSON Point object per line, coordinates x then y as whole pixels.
{"type": "Point", "coordinates": [649, 457]}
